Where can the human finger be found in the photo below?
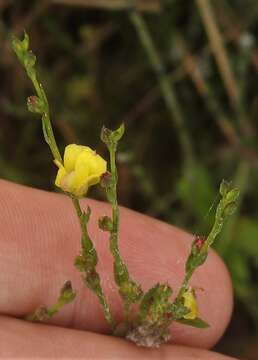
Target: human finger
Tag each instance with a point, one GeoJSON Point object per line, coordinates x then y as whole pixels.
{"type": "Point", "coordinates": [40, 237]}
{"type": "Point", "coordinates": [27, 340]}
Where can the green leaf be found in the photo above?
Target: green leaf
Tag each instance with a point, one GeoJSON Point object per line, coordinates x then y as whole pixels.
{"type": "Point", "coordinates": [45, 130]}
{"type": "Point", "coordinates": [118, 133]}
{"type": "Point", "coordinates": [85, 217]}
{"type": "Point", "coordinates": [198, 323]}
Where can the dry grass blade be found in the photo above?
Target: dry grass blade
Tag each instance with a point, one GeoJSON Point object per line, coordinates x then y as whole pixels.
{"type": "Point", "coordinates": [217, 46]}
{"type": "Point", "coordinates": [141, 5]}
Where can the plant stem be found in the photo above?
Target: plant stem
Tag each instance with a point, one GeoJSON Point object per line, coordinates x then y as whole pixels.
{"type": "Point", "coordinates": [242, 181]}
{"type": "Point", "coordinates": [46, 122]}
{"type": "Point", "coordinates": [121, 273]}
{"type": "Point", "coordinates": [92, 252]}
{"type": "Point", "coordinates": [142, 5]}
{"type": "Point", "coordinates": [166, 86]}
{"type": "Point", "coordinates": [217, 46]}
{"type": "Point", "coordinates": [184, 285]}
{"type": "Point", "coordinates": [221, 56]}
{"type": "Point", "coordinates": [115, 209]}
{"type": "Point", "coordinates": [198, 255]}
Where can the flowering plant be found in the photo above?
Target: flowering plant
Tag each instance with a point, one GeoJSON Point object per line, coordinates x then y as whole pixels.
{"type": "Point", "coordinates": [78, 170]}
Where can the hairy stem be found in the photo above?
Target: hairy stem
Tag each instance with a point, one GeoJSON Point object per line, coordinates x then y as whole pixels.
{"type": "Point", "coordinates": [46, 121]}
{"type": "Point", "coordinates": [87, 245]}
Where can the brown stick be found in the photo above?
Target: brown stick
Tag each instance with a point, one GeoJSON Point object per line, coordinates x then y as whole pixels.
{"type": "Point", "coordinates": [235, 30]}
{"type": "Point", "coordinates": [190, 64]}
{"type": "Point", "coordinates": [217, 46]}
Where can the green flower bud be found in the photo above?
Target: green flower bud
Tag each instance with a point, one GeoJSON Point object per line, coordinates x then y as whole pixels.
{"type": "Point", "coordinates": [130, 291]}
{"type": "Point", "coordinates": [230, 209]}
{"type": "Point", "coordinates": [110, 137]}
{"type": "Point", "coordinates": [35, 105]}
{"type": "Point", "coordinates": [67, 294]}
{"type": "Point", "coordinates": [232, 195]}
{"type": "Point", "coordinates": [20, 47]}
{"type": "Point", "coordinates": [224, 187]}
{"type": "Point", "coordinates": [93, 281]}
{"type": "Point", "coordinates": [106, 180]}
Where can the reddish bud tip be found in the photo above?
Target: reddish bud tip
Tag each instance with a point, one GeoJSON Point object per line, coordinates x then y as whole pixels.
{"type": "Point", "coordinates": [199, 241]}
{"type": "Point", "coordinates": [106, 179]}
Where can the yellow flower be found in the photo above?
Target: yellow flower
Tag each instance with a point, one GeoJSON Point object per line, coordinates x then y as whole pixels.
{"type": "Point", "coordinates": [191, 304]}
{"type": "Point", "coordinates": [82, 168]}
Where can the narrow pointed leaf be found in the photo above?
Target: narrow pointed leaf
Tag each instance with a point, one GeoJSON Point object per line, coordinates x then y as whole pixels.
{"type": "Point", "coordinates": [198, 323]}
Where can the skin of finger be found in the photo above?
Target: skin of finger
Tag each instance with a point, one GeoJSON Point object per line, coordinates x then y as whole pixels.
{"type": "Point", "coordinates": [40, 238]}
{"type": "Point", "coordinates": [29, 340]}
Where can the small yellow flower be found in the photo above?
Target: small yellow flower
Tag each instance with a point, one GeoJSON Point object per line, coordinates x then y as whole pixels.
{"type": "Point", "coordinates": [191, 304]}
{"type": "Point", "coordinates": [82, 168]}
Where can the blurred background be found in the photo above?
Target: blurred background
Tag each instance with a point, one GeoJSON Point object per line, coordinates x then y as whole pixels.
{"type": "Point", "coordinates": [183, 76]}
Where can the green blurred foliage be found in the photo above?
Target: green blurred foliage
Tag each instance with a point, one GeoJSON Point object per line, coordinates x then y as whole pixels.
{"type": "Point", "coordinates": [96, 72]}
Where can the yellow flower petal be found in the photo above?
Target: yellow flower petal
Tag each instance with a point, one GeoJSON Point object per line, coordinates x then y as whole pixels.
{"type": "Point", "coordinates": [82, 191]}
{"type": "Point", "coordinates": [71, 154]}
{"type": "Point", "coordinates": [191, 304]}
{"type": "Point", "coordinates": [88, 169]}
{"type": "Point", "coordinates": [60, 174]}
{"type": "Point", "coordinates": [82, 169]}
{"type": "Point", "coordinates": [93, 180]}
{"type": "Point", "coordinates": [98, 166]}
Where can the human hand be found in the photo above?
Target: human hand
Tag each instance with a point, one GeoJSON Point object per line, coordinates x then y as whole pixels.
{"type": "Point", "coordinates": [39, 239]}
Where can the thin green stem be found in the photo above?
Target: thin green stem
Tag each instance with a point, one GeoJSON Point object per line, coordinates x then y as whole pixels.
{"type": "Point", "coordinates": [185, 285]}
{"type": "Point", "coordinates": [121, 273]}
{"type": "Point", "coordinates": [217, 226]}
{"type": "Point", "coordinates": [129, 290]}
{"type": "Point", "coordinates": [199, 252]}
{"type": "Point", "coordinates": [86, 262]}
{"type": "Point", "coordinates": [91, 251]}
{"type": "Point", "coordinates": [46, 121]}
{"type": "Point", "coordinates": [115, 209]}
{"type": "Point", "coordinates": [166, 86]}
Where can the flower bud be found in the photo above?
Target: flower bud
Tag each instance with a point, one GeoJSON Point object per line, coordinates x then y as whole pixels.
{"type": "Point", "coordinates": [35, 104]}
{"type": "Point", "coordinates": [110, 137]}
{"type": "Point", "coordinates": [20, 47]}
{"type": "Point", "coordinates": [106, 180]}
{"type": "Point", "coordinates": [105, 223]}
{"type": "Point", "coordinates": [130, 291]}
{"type": "Point", "coordinates": [67, 294]}
{"type": "Point", "coordinates": [224, 187]}
{"type": "Point", "coordinates": [199, 242]}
